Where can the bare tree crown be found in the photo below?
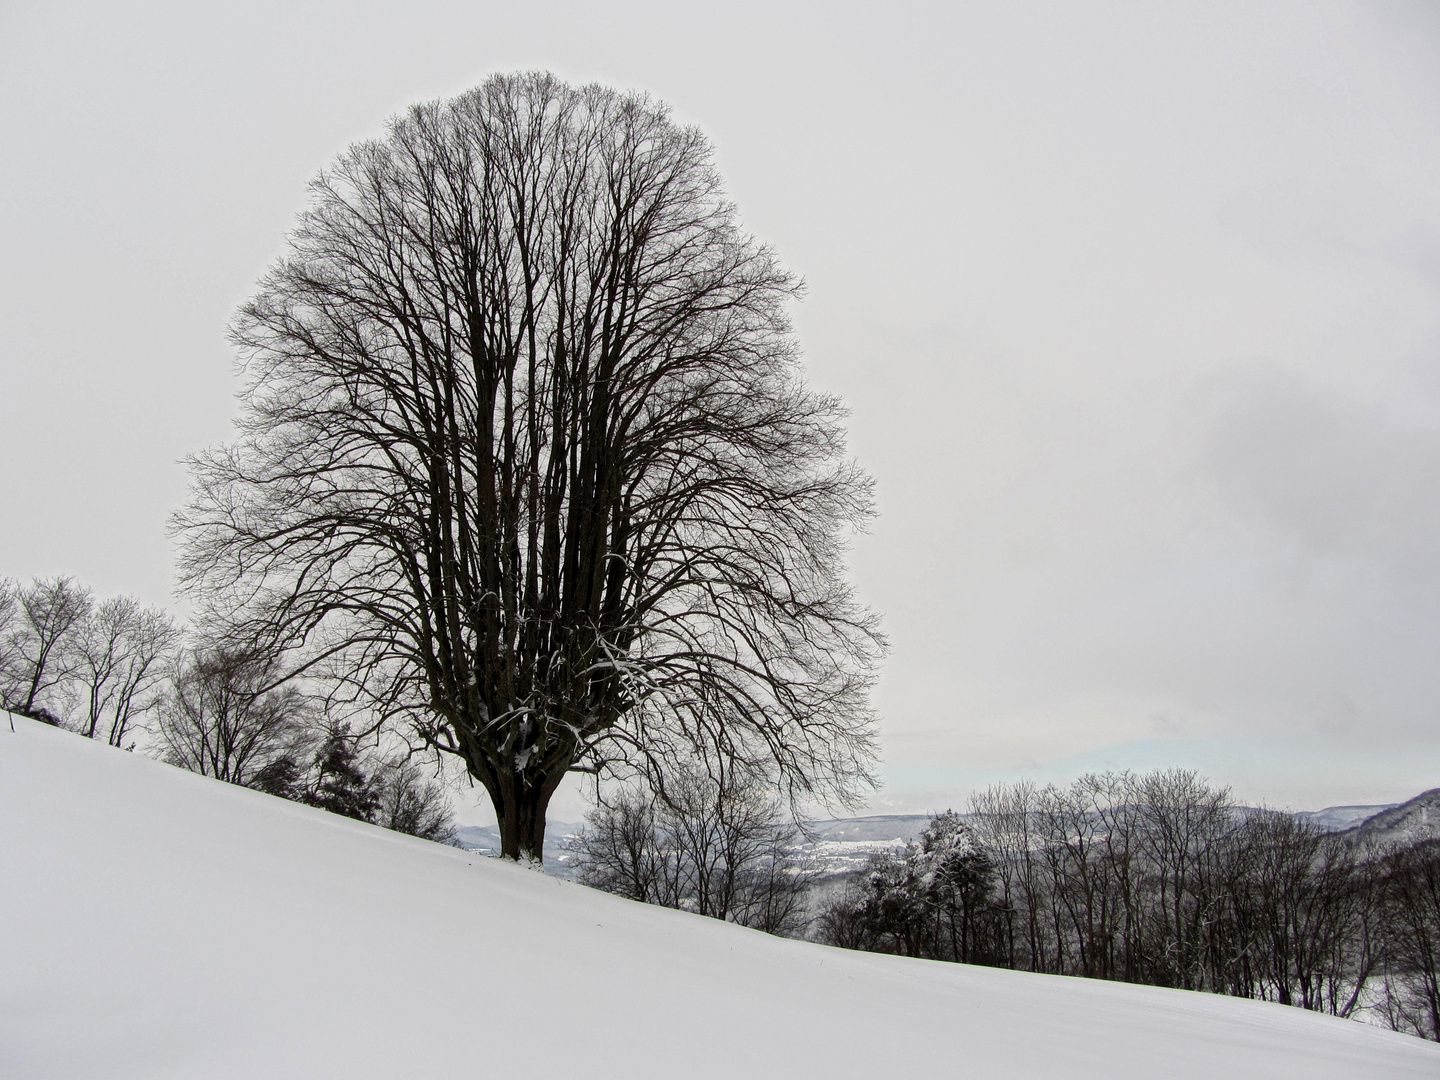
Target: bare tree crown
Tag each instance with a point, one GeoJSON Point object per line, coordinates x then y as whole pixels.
{"type": "Point", "coordinates": [528, 461]}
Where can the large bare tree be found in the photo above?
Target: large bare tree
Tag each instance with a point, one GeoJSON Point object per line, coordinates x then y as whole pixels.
{"type": "Point", "coordinates": [528, 461]}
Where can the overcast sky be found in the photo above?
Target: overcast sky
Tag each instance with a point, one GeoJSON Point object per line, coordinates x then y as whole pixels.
{"type": "Point", "coordinates": [1137, 307]}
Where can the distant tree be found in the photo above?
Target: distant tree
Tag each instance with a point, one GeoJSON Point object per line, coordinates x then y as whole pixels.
{"type": "Point", "coordinates": [622, 849]}
{"type": "Point", "coordinates": [120, 654]}
{"type": "Point", "coordinates": [716, 845]}
{"type": "Point", "coordinates": [1412, 939]}
{"type": "Point", "coordinates": [1306, 902]}
{"type": "Point", "coordinates": [43, 618]}
{"type": "Point", "coordinates": [1117, 876]}
{"type": "Point", "coordinates": [392, 792]}
{"type": "Point", "coordinates": [409, 802]}
{"type": "Point", "coordinates": [956, 878]}
{"type": "Point", "coordinates": [528, 459]}
{"type": "Point", "coordinates": [1006, 820]}
{"type": "Point", "coordinates": [1183, 828]}
{"type": "Point", "coordinates": [9, 644]}
{"type": "Point", "coordinates": [223, 716]}
{"type": "Point", "coordinates": [1159, 878]}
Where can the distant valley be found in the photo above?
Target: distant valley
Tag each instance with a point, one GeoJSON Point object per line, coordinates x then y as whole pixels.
{"type": "Point", "coordinates": [844, 845]}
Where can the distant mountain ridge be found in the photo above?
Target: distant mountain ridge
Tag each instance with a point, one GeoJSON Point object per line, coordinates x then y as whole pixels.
{"type": "Point", "coordinates": [1340, 818]}
{"type": "Point", "coordinates": [907, 827]}
{"type": "Point", "coordinates": [1407, 823]}
{"type": "Point", "coordinates": [873, 828]}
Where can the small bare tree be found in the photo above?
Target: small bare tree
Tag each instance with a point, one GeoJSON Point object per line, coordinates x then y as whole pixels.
{"type": "Point", "coordinates": [623, 850]}
{"type": "Point", "coordinates": [410, 801]}
{"type": "Point", "coordinates": [716, 844]}
{"type": "Point", "coordinates": [224, 717]}
{"type": "Point", "coordinates": [120, 655]}
{"type": "Point", "coordinates": [527, 459]}
{"type": "Point", "coordinates": [44, 618]}
{"type": "Point", "coordinates": [1309, 897]}
{"type": "Point", "coordinates": [1183, 828]}
{"type": "Point", "coordinates": [1007, 822]}
{"type": "Point", "coordinates": [10, 665]}
{"type": "Point", "coordinates": [9, 653]}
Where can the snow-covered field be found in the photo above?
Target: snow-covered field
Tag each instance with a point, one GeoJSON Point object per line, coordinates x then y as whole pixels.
{"type": "Point", "coordinates": [156, 924]}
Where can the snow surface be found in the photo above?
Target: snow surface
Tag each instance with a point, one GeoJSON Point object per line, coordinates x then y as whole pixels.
{"type": "Point", "coordinates": [155, 924]}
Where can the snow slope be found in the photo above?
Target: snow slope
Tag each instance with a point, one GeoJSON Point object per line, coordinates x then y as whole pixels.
{"type": "Point", "coordinates": [157, 924]}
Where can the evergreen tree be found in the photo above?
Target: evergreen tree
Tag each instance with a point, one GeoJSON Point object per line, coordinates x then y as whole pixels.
{"type": "Point", "coordinates": [284, 776]}
{"type": "Point", "coordinates": [932, 901]}
{"type": "Point", "coordinates": [341, 785]}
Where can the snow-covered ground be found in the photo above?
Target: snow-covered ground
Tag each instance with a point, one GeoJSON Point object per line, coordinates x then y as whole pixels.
{"type": "Point", "coordinates": [157, 924]}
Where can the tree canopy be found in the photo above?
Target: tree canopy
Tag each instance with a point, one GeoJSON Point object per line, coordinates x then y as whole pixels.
{"type": "Point", "coordinates": [527, 462]}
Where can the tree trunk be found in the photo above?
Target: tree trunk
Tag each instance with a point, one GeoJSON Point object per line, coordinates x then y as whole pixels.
{"type": "Point", "coordinates": [522, 831]}
{"type": "Point", "coordinates": [520, 806]}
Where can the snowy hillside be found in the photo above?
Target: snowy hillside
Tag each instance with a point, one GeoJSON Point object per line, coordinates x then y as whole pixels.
{"type": "Point", "coordinates": [1410, 822]}
{"type": "Point", "coordinates": [157, 924]}
{"type": "Point", "coordinates": [1339, 818]}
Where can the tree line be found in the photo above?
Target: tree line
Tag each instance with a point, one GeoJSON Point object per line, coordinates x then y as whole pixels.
{"type": "Point", "coordinates": [1161, 879]}
{"type": "Point", "coordinates": [117, 671]}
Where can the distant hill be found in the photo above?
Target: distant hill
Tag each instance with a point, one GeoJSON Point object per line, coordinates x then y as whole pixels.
{"type": "Point", "coordinates": [842, 846]}
{"type": "Point", "coordinates": [1340, 818]}
{"type": "Point", "coordinates": [1407, 823]}
{"type": "Point", "coordinates": [874, 829]}
{"type": "Point", "coordinates": [880, 828]}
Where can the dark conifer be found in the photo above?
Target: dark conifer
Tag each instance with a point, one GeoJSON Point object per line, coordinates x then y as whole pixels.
{"type": "Point", "coordinates": [341, 785]}
{"type": "Point", "coordinates": [283, 776]}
